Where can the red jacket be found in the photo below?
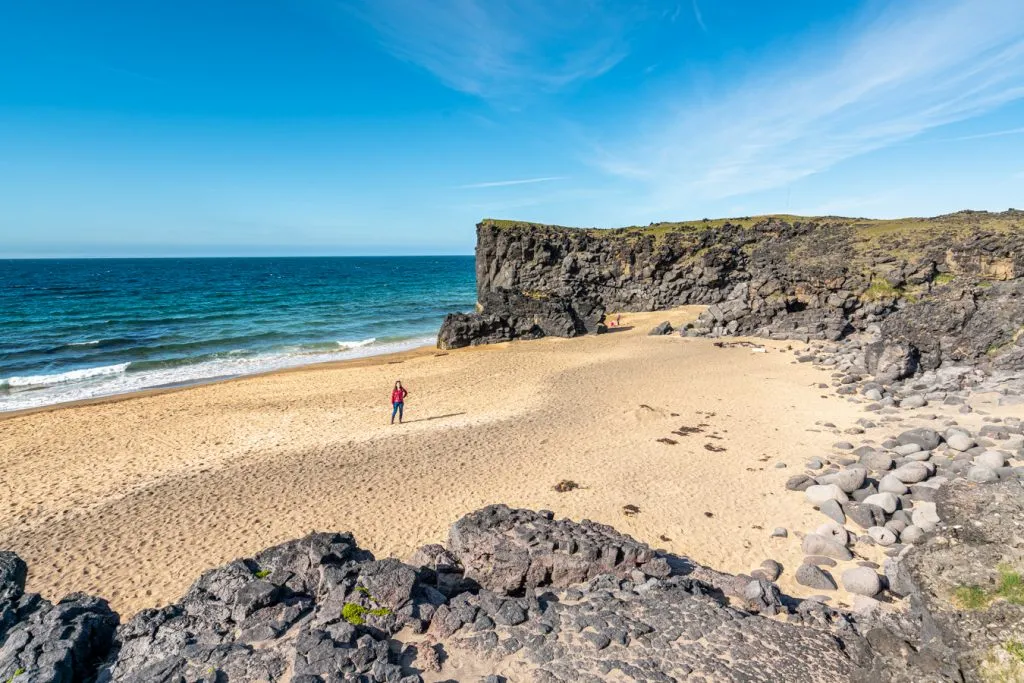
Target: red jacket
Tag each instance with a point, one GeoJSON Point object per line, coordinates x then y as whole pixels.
{"type": "Point", "coordinates": [398, 395]}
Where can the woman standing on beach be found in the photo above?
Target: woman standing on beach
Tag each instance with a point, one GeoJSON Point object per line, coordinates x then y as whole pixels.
{"type": "Point", "coordinates": [398, 401]}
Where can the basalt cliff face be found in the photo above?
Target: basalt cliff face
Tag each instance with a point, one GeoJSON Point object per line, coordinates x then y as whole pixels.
{"type": "Point", "coordinates": [949, 288]}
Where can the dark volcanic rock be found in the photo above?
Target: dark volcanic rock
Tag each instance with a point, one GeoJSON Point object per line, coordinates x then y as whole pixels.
{"type": "Point", "coordinates": [571, 601]}
{"type": "Point", "coordinates": [952, 291]}
{"type": "Point", "coordinates": [509, 551]}
{"type": "Point", "coordinates": [317, 606]}
{"type": "Point", "coordinates": [44, 642]}
{"type": "Point", "coordinates": [506, 315]}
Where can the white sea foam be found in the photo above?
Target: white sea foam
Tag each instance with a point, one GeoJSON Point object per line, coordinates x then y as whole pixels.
{"type": "Point", "coordinates": [31, 392]}
{"type": "Point", "coordinates": [91, 342]}
{"type": "Point", "coordinates": [356, 344]}
{"type": "Point", "coordinates": [66, 377]}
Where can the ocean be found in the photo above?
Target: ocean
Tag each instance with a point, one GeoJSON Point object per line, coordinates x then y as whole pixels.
{"type": "Point", "coordinates": [84, 328]}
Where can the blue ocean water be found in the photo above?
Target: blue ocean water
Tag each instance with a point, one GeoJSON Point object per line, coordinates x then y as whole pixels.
{"type": "Point", "coordinates": [75, 329]}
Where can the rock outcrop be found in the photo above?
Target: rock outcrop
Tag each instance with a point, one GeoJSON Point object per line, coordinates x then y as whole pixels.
{"type": "Point", "coordinates": [536, 599]}
{"type": "Point", "coordinates": [949, 288]}
{"type": "Point", "coordinates": [42, 642]}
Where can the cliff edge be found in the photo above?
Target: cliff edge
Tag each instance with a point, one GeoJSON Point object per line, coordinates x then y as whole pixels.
{"type": "Point", "coordinates": [944, 288]}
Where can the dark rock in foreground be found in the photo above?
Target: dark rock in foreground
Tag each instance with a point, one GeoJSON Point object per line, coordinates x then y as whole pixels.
{"type": "Point", "coordinates": [42, 642]}
{"type": "Point", "coordinates": [535, 599]}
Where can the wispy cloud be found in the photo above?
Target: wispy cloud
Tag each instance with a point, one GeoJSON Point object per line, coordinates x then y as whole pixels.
{"type": "Point", "coordinates": [990, 134]}
{"type": "Point", "coordinates": [505, 183]}
{"type": "Point", "coordinates": [497, 48]}
{"type": "Point", "coordinates": [915, 67]}
{"type": "Point", "coordinates": [699, 17]}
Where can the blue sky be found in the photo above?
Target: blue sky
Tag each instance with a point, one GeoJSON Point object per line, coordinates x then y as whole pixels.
{"type": "Point", "coordinates": [142, 127]}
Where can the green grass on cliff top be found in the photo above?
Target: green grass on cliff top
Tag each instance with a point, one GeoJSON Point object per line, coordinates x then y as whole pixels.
{"type": "Point", "coordinates": [869, 228]}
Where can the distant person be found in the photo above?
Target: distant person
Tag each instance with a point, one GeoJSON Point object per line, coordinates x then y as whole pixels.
{"type": "Point", "coordinates": [398, 402]}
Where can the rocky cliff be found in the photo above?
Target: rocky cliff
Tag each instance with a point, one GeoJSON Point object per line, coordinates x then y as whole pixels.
{"type": "Point", "coordinates": [950, 287]}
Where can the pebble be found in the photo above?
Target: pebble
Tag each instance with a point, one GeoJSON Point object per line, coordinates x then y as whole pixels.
{"type": "Point", "coordinates": [799, 483]}
{"type": "Point", "coordinates": [815, 464]}
{"type": "Point", "coordinates": [780, 532]}
{"type": "Point", "coordinates": [862, 581]}
{"type": "Point", "coordinates": [820, 560]}
{"type": "Point", "coordinates": [912, 534]}
{"type": "Point", "coordinates": [843, 446]}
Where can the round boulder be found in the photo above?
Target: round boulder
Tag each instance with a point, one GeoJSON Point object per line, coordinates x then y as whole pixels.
{"type": "Point", "coordinates": [887, 501]}
{"type": "Point", "coordinates": [925, 517]}
{"type": "Point", "coordinates": [890, 484]}
{"type": "Point", "coordinates": [907, 449]}
{"type": "Point", "coordinates": [914, 401]}
{"type": "Point", "coordinates": [818, 494]}
{"type": "Point", "coordinates": [833, 510]}
{"type": "Point", "coordinates": [927, 439]}
{"type": "Point", "coordinates": [990, 459]}
{"type": "Point", "coordinates": [980, 474]}
{"type": "Point", "coordinates": [959, 441]}
{"type": "Point", "coordinates": [850, 480]}
{"type": "Point", "coordinates": [882, 536]}
{"type": "Point", "coordinates": [912, 472]}
{"type": "Point", "coordinates": [877, 461]}
{"type": "Point", "coordinates": [862, 581]}
{"type": "Point", "coordinates": [864, 515]}
{"type": "Point", "coordinates": [815, 544]}
{"type": "Point", "coordinates": [815, 577]}
{"type": "Point", "coordinates": [912, 534]}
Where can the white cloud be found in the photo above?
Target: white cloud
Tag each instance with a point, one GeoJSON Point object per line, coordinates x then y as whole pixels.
{"type": "Point", "coordinates": [505, 183]}
{"type": "Point", "coordinates": [912, 68]}
{"type": "Point", "coordinates": [498, 48]}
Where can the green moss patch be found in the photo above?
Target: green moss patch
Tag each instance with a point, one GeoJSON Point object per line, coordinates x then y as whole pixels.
{"type": "Point", "coordinates": [356, 614]}
{"type": "Point", "coordinates": [1009, 587]}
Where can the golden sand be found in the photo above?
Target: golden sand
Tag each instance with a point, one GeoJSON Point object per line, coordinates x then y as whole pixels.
{"type": "Point", "coordinates": [133, 498]}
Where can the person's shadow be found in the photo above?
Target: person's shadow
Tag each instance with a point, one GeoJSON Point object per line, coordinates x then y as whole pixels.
{"type": "Point", "coordinates": [434, 417]}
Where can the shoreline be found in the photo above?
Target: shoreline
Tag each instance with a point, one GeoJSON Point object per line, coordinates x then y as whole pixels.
{"type": "Point", "coordinates": [156, 489]}
{"type": "Point", "coordinates": [374, 359]}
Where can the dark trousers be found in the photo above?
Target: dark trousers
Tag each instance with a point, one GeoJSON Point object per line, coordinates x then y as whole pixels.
{"type": "Point", "coordinates": [396, 409]}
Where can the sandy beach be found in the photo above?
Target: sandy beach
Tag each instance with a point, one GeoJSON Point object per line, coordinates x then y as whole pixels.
{"type": "Point", "coordinates": [133, 498]}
